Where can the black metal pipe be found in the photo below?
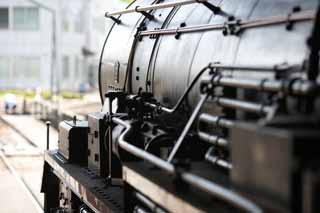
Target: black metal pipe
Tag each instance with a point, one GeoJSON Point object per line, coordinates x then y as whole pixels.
{"type": "Point", "coordinates": [182, 98]}
{"type": "Point", "coordinates": [198, 182]}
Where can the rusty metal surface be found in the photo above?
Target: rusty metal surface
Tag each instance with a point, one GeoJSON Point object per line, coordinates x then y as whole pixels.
{"type": "Point", "coordinates": [91, 189]}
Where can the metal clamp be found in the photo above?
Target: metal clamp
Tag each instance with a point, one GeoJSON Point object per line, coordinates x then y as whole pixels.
{"type": "Point", "coordinates": [147, 15]}
{"type": "Point", "coordinates": [116, 20]}
{"type": "Point", "coordinates": [178, 34]}
{"type": "Point", "coordinates": [213, 8]}
{"type": "Point", "coordinates": [232, 27]}
{"type": "Point", "coordinates": [154, 36]}
{"type": "Point", "coordinates": [289, 24]}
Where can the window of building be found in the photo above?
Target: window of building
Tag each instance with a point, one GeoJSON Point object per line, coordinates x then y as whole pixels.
{"type": "Point", "coordinates": [4, 68]}
{"type": "Point", "coordinates": [66, 66]}
{"type": "Point", "coordinates": [65, 24]}
{"type": "Point", "coordinates": [27, 68]}
{"type": "Point", "coordinates": [26, 18]}
{"type": "Point", "coordinates": [78, 22]}
{"type": "Point", "coordinates": [78, 67]}
{"type": "Point", "coordinates": [4, 18]}
{"type": "Point", "coordinates": [78, 25]}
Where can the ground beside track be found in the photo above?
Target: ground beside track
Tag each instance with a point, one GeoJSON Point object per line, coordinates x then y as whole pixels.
{"type": "Point", "coordinates": [13, 198]}
{"type": "Point", "coordinates": [19, 190]}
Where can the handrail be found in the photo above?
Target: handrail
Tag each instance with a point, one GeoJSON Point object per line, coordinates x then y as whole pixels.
{"type": "Point", "coordinates": [154, 6]}
{"type": "Point", "coordinates": [240, 24]}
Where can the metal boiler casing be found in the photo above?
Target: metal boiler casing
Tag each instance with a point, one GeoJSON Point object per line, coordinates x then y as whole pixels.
{"type": "Point", "coordinates": [208, 106]}
{"type": "Point", "coordinates": [166, 64]}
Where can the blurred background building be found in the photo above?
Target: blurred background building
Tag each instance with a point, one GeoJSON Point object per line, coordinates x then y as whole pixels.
{"type": "Point", "coordinates": [52, 44]}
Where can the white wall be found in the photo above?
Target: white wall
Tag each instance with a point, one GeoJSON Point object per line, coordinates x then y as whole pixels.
{"type": "Point", "coordinates": [15, 43]}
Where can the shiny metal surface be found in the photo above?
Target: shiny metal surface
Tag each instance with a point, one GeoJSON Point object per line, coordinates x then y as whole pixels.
{"type": "Point", "coordinates": [199, 182]}
{"type": "Point", "coordinates": [190, 84]}
{"type": "Point", "coordinates": [165, 65]}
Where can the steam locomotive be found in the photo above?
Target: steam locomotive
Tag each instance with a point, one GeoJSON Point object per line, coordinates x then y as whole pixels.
{"type": "Point", "coordinates": [207, 106]}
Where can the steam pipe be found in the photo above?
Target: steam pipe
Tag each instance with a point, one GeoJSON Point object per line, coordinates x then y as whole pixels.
{"type": "Point", "coordinates": [182, 98]}
{"type": "Point", "coordinates": [296, 86]}
{"type": "Point", "coordinates": [243, 105]}
{"type": "Point", "coordinates": [213, 139]}
{"type": "Point", "coordinates": [215, 120]}
{"type": "Point", "coordinates": [216, 160]}
{"type": "Point", "coordinates": [198, 182]}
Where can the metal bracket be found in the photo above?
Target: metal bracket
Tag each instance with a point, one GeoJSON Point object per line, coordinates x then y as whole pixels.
{"type": "Point", "coordinates": [178, 34]}
{"type": "Point", "coordinates": [232, 27]}
{"type": "Point", "coordinates": [154, 36]}
{"type": "Point", "coordinates": [116, 20]}
{"type": "Point", "coordinates": [314, 47]}
{"type": "Point", "coordinates": [213, 8]}
{"type": "Point", "coordinates": [147, 15]}
{"type": "Point", "coordinates": [289, 25]}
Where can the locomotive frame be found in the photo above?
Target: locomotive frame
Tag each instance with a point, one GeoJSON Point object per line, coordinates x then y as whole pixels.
{"type": "Point", "coordinates": [229, 134]}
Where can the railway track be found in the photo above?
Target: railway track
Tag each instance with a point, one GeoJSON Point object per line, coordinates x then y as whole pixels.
{"type": "Point", "coordinates": [22, 183]}
{"type": "Point", "coordinates": [21, 171]}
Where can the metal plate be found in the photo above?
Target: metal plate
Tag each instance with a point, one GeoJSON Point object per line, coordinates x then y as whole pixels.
{"type": "Point", "coordinates": [91, 189]}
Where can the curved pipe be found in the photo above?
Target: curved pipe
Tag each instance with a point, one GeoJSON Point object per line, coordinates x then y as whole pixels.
{"type": "Point", "coordinates": [183, 97]}
{"type": "Point", "coordinates": [199, 182]}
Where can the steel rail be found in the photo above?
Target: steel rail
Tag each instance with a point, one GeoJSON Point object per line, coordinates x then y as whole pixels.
{"type": "Point", "coordinates": [247, 24]}
{"type": "Point", "coordinates": [205, 185]}
{"type": "Point", "coordinates": [154, 7]}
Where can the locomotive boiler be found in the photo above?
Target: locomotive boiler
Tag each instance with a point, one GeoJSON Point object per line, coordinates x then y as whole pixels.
{"type": "Point", "coordinates": [207, 106]}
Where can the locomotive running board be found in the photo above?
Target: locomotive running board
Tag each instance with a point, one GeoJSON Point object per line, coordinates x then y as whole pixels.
{"type": "Point", "coordinates": [160, 187]}
{"type": "Point", "coordinates": [89, 188]}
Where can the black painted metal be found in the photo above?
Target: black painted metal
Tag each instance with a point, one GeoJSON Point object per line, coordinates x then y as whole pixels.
{"type": "Point", "coordinates": [179, 98]}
